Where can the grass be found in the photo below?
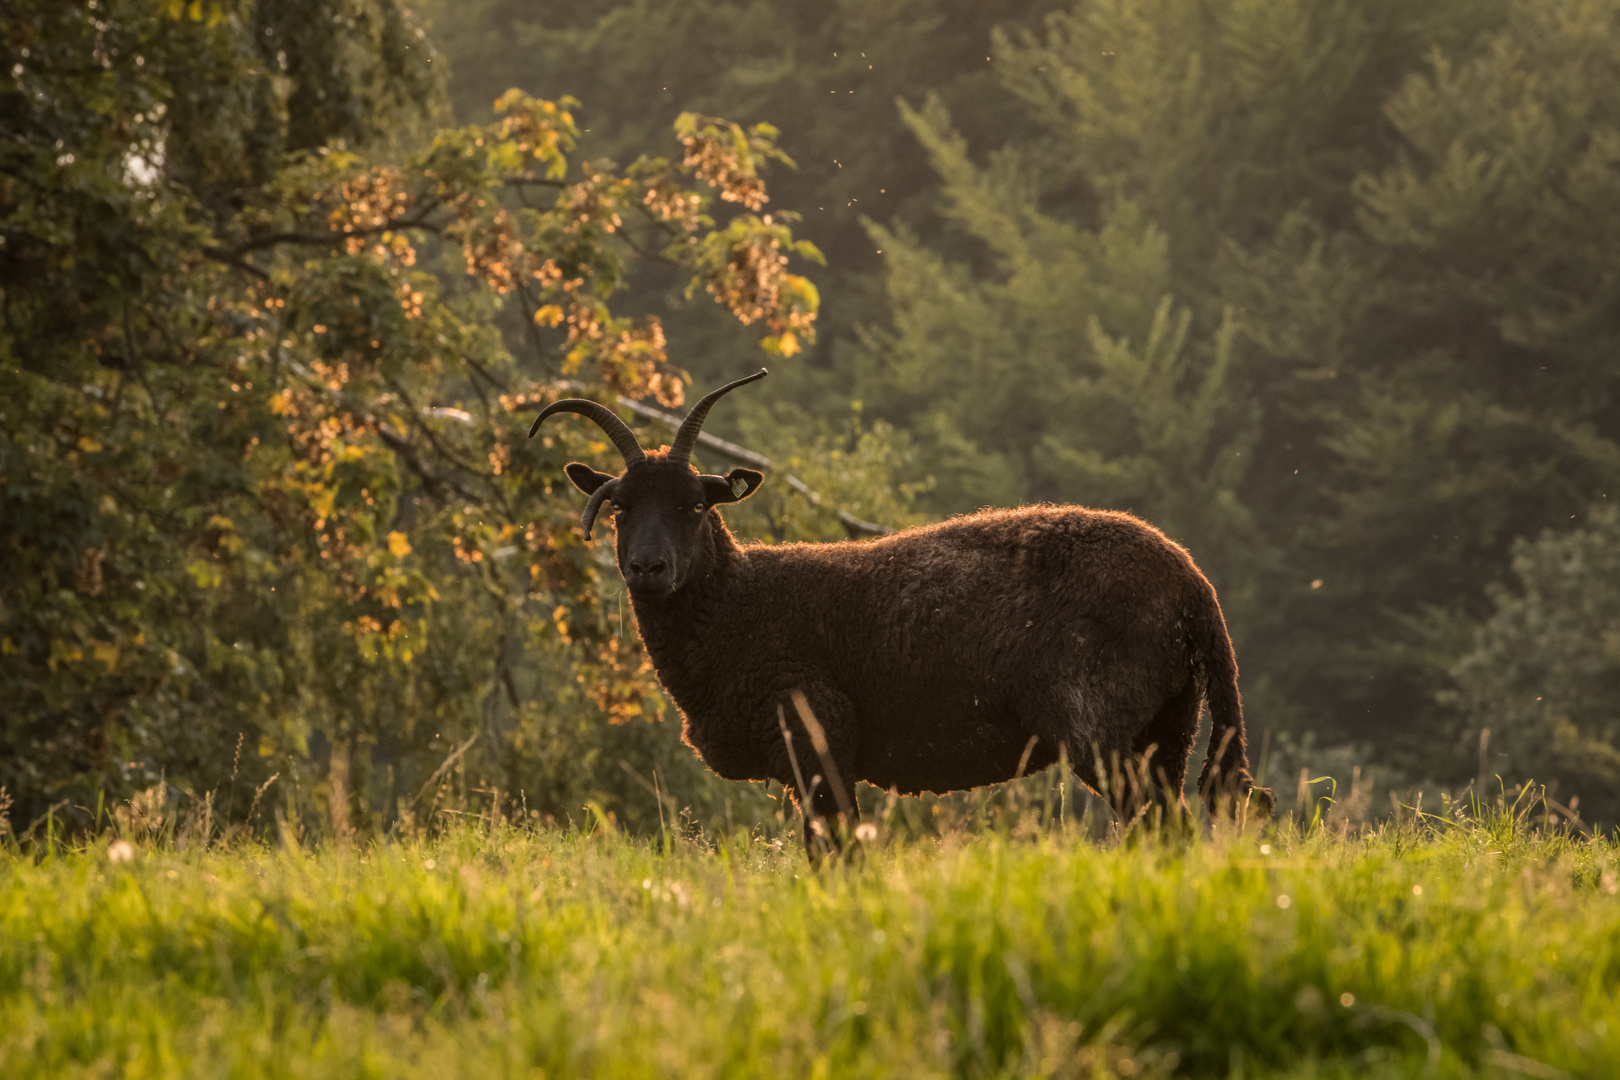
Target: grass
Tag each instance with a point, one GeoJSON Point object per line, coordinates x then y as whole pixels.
{"type": "Point", "coordinates": [1441, 947]}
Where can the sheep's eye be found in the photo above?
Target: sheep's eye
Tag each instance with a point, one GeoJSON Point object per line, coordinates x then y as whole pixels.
{"type": "Point", "coordinates": [698, 509]}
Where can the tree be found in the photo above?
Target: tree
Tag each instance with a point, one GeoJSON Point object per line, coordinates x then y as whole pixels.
{"type": "Point", "coordinates": [1323, 290]}
{"type": "Point", "coordinates": [269, 508]}
{"type": "Point", "coordinates": [827, 74]}
{"type": "Point", "coordinates": [1544, 672]}
{"type": "Point", "coordinates": [1477, 375]}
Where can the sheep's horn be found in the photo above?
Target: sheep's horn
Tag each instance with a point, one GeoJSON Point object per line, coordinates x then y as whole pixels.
{"type": "Point", "coordinates": [686, 438]}
{"type": "Point", "coordinates": [606, 418]}
{"type": "Point", "coordinates": [600, 495]}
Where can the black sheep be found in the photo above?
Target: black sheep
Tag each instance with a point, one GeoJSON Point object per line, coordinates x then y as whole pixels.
{"type": "Point", "coordinates": [939, 658]}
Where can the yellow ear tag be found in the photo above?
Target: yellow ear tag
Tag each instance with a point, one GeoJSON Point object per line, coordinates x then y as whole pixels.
{"type": "Point", "coordinates": [738, 487]}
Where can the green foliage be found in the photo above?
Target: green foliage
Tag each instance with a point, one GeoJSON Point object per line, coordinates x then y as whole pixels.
{"type": "Point", "coordinates": [1324, 291]}
{"type": "Point", "coordinates": [272, 526]}
{"type": "Point", "coordinates": [1447, 950]}
{"type": "Point", "coordinates": [827, 74]}
{"type": "Point", "coordinates": [1476, 408]}
{"type": "Point", "coordinates": [855, 467]}
{"type": "Point", "coordinates": [1544, 673]}
{"type": "Point", "coordinates": [1303, 286]}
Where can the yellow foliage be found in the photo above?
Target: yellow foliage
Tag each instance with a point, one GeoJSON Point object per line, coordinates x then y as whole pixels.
{"type": "Point", "coordinates": [399, 545]}
{"type": "Point", "coordinates": [207, 575]}
{"type": "Point", "coordinates": [324, 498]}
{"type": "Point", "coordinates": [60, 651]}
{"type": "Point", "coordinates": [213, 13]}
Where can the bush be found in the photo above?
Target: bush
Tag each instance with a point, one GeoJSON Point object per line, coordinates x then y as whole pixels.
{"type": "Point", "coordinates": [1544, 674]}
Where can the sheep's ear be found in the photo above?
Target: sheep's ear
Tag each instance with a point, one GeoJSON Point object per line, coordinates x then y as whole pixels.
{"type": "Point", "coordinates": [735, 486]}
{"type": "Point", "coordinates": [586, 478]}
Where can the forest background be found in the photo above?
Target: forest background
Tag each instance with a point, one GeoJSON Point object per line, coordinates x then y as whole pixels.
{"type": "Point", "coordinates": [1328, 292]}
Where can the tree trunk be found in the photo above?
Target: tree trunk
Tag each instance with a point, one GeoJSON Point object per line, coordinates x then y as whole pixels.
{"type": "Point", "coordinates": [342, 752]}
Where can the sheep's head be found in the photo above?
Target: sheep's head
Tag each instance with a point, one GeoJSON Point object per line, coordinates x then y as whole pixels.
{"type": "Point", "coordinates": [660, 502]}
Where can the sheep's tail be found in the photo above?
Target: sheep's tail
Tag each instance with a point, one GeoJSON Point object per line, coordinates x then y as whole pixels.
{"type": "Point", "coordinates": [1225, 777]}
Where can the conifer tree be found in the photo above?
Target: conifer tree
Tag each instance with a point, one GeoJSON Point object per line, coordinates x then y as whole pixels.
{"type": "Point", "coordinates": [1377, 239]}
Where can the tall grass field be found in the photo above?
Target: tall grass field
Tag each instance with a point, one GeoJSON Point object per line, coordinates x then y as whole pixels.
{"type": "Point", "coordinates": [1457, 945]}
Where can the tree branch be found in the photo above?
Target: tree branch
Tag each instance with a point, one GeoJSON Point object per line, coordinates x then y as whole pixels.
{"type": "Point", "coordinates": [647, 253]}
{"type": "Point", "coordinates": [220, 255]}
{"type": "Point", "coordinates": [260, 243]}
{"type": "Point", "coordinates": [529, 325]}
{"type": "Point", "coordinates": [408, 452]}
{"type": "Point", "coordinates": [853, 525]}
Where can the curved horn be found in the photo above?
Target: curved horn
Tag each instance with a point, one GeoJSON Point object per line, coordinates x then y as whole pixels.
{"type": "Point", "coordinates": [606, 419]}
{"type": "Point", "coordinates": [600, 495]}
{"type": "Point", "coordinates": [686, 438]}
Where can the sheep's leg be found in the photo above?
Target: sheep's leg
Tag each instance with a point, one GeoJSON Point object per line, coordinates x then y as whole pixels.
{"type": "Point", "coordinates": [816, 728]}
{"type": "Point", "coordinates": [826, 820]}
{"type": "Point", "coordinates": [1163, 748]}
{"type": "Point", "coordinates": [1098, 730]}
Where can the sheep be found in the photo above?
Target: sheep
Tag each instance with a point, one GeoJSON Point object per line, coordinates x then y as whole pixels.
{"type": "Point", "coordinates": [938, 658]}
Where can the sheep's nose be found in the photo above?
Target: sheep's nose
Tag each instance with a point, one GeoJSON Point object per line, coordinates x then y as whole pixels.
{"type": "Point", "coordinates": [650, 574]}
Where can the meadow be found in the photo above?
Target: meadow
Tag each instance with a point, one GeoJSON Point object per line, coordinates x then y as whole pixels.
{"type": "Point", "coordinates": [1467, 943]}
